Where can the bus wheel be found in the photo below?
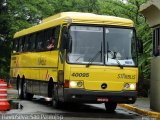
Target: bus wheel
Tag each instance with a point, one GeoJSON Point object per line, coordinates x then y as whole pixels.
{"type": "Point", "coordinates": [26, 95]}
{"type": "Point", "coordinates": [55, 100]}
{"type": "Point", "coordinates": [20, 89]}
{"type": "Point", "coordinates": [110, 106]}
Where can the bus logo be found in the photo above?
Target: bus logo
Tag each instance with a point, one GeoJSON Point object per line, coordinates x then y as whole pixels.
{"type": "Point", "coordinates": [104, 86]}
{"type": "Point", "coordinates": [126, 76]}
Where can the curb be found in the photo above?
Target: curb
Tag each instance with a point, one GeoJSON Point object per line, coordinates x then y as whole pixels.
{"type": "Point", "coordinates": [140, 111]}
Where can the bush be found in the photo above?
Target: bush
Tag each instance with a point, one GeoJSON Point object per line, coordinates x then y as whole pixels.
{"type": "Point", "coordinates": [143, 86]}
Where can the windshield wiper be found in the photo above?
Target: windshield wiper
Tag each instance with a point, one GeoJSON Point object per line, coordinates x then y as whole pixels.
{"type": "Point", "coordinates": [119, 64]}
{"type": "Point", "coordinates": [93, 58]}
{"type": "Point", "coordinates": [114, 57]}
{"type": "Point", "coordinates": [79, 58]}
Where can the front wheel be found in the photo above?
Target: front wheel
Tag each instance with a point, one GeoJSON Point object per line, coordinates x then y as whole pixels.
{"type": "Point", "coordinates": [55, 101]}
{"type": "Point", "coordinates": [110, 106]}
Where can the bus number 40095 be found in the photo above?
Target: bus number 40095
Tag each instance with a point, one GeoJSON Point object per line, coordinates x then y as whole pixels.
{"type": "Point", "coordinates": [80, 74]}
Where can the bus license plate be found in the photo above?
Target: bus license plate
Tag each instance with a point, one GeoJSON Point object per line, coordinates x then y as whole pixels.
{"type": "Point", "coordinates": [102, 99]}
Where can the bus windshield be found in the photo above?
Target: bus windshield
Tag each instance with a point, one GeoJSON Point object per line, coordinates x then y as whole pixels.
{"type": "Point", "coordinates": [102, 45]}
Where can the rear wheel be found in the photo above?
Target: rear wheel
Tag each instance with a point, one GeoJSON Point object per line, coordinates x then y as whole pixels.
{"type": "Point", "coordinates": [20, 89]}
{"type": "Point", "coordinates": [110, 106]}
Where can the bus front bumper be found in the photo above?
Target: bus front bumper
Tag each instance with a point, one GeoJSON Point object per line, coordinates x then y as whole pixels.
{"type": "Point", "coordinates": [90, 96]}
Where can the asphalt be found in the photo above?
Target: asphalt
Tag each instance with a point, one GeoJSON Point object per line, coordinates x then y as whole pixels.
{"type": "Point", "coordinates": [141, 106]}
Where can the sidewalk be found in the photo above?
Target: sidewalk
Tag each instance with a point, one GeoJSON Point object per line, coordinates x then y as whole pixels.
{"type": "Point", "coordinates": [142, 106]}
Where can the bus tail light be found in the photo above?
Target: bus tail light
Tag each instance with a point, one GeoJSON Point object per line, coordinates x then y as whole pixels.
{"type": "Point", "coordinates": [66, 84]}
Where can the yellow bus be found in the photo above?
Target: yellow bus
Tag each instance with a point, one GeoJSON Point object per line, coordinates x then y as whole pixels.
{"type": "Point", "coordinates": [93, 59]}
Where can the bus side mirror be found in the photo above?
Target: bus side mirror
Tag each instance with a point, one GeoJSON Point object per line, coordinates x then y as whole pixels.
{"type": "Point", "coordinates": [65, 38]}
{"type": "Point", "coordinates": [67, 41]}
{"type": "Point", "coordinates": [140, 46]}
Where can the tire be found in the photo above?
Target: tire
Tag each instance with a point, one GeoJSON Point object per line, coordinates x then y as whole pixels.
{"type": "Point", "coordinates": [26, 95]}
{"type": "Point", "coordinates": [20, 89]}
{"type": "Point", "coordinates": [110, 106]}
{"type": "Point", "coordinates": [55, 101]}
{"type": "Point", "coordinates": [50, 88]}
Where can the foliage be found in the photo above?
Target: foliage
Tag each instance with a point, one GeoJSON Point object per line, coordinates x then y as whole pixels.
{"type": "Point", "coordinates": [16, 15]}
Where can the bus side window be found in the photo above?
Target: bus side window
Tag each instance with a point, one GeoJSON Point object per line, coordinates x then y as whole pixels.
{"type": "Point", "coordinates": [56, 35]}
{"type": "Point", "coordinates": [48, 38]}
{"type": "Point", "coordinates": [33, 42]}
{"type": "Point", "coordinates": [15, 45]}
{"type": "Point", "coordinates": [51, 38]}
{"type": "Point", "coordinates": [40, 39]}
{"type": "Point", "coordinates": [20, 45]}
{"type": "Point", "coordinates": [29, 43]}
{"type": "Point", "coordinates": [25, 43]}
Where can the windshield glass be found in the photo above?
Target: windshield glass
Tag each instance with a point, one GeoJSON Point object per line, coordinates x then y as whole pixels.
{"type": "Point", "coordinates": [102, 45]}
{"type": "Point", "coordinates": [86, 43]}
{"type": "Point", "coordinates": [120, 46]}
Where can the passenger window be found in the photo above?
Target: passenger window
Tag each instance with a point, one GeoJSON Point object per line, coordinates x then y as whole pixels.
{"type": "Point", "coordinates": [33, 42]}
{"type": "Point", "coordinates": [51, 38]}
{"type": "Point", "coordinates": [40, 41]}
{"type": "Point", "coordinates": [20, 46]}
{"type": "Point", "coordinates": [26, 44]}
{"type": "Point", "coordinates": [15, 45]}
{"type": "Point", "coordinates": [29, 43]}
{"type": "Point", "coordinates": [56, 34]}
{"type": "Point", "coordinates": [48, 39]}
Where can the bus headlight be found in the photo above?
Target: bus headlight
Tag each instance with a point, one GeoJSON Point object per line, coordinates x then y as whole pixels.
{"type": "Point", "coordinates": [132, 86]}
{"type": "Point", "coordinates": [73, 84]}
{"type": "Point", "coordinates": [76, 84]}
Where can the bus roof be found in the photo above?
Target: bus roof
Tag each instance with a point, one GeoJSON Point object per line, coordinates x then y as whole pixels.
{"type": "Point", "coordinates": [76, 17]}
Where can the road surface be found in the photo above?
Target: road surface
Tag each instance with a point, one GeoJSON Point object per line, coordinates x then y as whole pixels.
{"type": "Point", "coordinates": [40, 108]}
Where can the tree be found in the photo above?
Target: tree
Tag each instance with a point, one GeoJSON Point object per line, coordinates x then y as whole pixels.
{"type": "Point", "coordinates": [16, 15]}
{"type": "Point", "coordinates": [4, 29]}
